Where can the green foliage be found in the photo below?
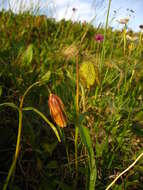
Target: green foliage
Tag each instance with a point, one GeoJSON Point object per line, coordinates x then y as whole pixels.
{"type": "Point", "coordinates": [46, 77]}
{"type": "Point", "coordinates": [86, 139]}
{"type": "Point", "coordinates": [0, 90]}
{"type": "Point", "coordinates": [27, 55]}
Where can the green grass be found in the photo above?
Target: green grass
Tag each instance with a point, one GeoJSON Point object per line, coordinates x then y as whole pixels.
{"type": "Point", "coordinates": [104, 134]}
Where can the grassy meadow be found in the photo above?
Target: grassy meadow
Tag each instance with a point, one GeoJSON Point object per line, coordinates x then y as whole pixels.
{"type": "Point", "coordinates": [99, 81]}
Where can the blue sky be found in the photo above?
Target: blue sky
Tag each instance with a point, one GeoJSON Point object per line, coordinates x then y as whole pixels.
{"type": "Point", "coordinates": [86, 10]}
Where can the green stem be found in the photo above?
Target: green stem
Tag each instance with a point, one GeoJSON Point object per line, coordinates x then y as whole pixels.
{"type": "Point", "coordinates": [105, 32]}
{"type": "Point", "coordinates": [77, 119]}
{"type": "Point", "coordinates": [124, 36]}
{"type": "Point", "coordinates": [103, 49]}
{"type": "Point", "coordinates": [26, 92]}
{"type": "Point", "coordinates": [83, 98]}
{"type": "Point", "coordinates": [12, 167]}
{"type": "Point", "coordinates": [140, 42]}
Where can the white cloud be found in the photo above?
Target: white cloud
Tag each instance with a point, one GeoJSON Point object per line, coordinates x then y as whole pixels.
{"type": "Point", "coordinates": [62, 2]}
{"type": "Point", "coordinates": [84, 9]}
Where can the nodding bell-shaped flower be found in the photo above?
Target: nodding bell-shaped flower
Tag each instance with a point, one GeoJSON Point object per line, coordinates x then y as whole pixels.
{"type": "Point", "coordinates": [57, 110]}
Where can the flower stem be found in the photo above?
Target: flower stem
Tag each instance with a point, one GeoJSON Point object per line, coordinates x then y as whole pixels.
{"type": "Point", "coordinates": [12, 167]}
{"type": "Point", "coordinates": [105, 32]}
{"type": "Point", "coordinates": [77, 118]}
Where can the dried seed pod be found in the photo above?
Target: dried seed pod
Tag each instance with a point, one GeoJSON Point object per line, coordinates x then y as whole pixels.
{"type": "Point", "coordinates": [70, 52]}
{"type": "Point", "coordinates": [57, 110]}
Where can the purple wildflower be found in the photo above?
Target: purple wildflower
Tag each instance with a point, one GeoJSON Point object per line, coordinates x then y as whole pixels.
{"type": "Point", "coordinates": [99, 37]}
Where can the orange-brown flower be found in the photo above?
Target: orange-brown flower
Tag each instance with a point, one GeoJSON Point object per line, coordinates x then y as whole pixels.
{"type": "Point", "coordinates": [57, 110]}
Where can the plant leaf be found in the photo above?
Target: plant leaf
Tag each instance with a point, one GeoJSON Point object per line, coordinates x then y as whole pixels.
{"type": "Point", "coordinates": [46, 77]}
{"type": "Point", "coordinates": [87, 73]}
{"type": "Point", "coordinates": [85, 137]}
{"type": "Point", "coordinates": [0, 90]}
{"type": "Point", "coordinates": [28, 55]}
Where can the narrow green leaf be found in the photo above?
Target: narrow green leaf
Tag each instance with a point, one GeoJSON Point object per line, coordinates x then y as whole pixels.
{"type": "Point", "coordinates": [86, 140]}
{"type": "Point", "coordinates": [46, 77]}
{"type": "Point", "coordinates": [0, 90]}
{"type": "Point", "coordinates": [92, 180]}
{"type": "Point", "coordinates": [9, 104]}
{"type": "Point", "coordinates": [45, 119]}
{"type": "Point", "coordinates": [28, 55]}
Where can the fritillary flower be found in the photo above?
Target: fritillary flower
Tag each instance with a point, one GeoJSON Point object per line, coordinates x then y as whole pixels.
{"type": "Point", "coordinates": [57, 110]}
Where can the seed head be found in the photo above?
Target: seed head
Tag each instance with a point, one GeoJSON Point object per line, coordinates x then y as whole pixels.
{"type": "Point", "coordinates": [123, 21]}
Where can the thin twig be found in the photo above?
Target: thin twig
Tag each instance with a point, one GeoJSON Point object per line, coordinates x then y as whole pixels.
{"type": "Point", "coordinates": [122, 173]}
